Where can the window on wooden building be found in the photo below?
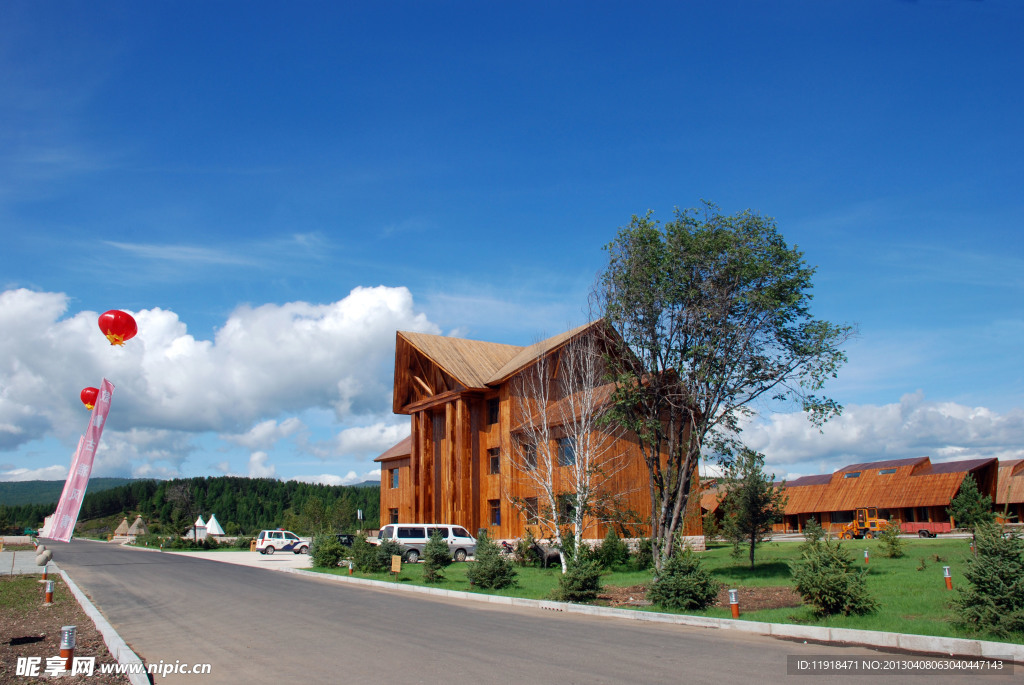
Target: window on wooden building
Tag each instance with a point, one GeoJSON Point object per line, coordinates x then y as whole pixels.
{"type": "Point", "coordinates": [566, 507]}
{"type": "Point", "coordinates": [393, 515]}
{"type": "Point", "coordinates": [495, 507]}
{"type": "Point", "coordinates": [566, 451]}
{"type": "Point", "coordinates": [492, 410]}
{"type": "Point", "coordinates": [494, 460]}
{"type": "Point", "coordinates": [886, 471]}
{"type": "Point", "coordinates": [852, 474]}
{"type": "Point", "coordinates": [394, 478]}
{"type": "Point", "coordinates": [531, 509]}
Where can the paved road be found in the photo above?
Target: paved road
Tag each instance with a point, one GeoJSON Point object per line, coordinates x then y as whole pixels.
{"type": "Point", "coordinates": [259, 626]}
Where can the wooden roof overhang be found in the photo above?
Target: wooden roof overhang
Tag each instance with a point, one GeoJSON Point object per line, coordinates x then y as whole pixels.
{"type": "Point", "coordinates": [432, 366]}
{"type": "Point", "coordinates": [893, 484]}
{"type": "Point", "coordinates": [1010, 482]}
{"type": "Point", "coordinates": [401, 450]}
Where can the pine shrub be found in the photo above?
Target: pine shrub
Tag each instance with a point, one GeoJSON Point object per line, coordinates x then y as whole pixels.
{"type": "Point", "coordinates": [369, 558]}
{"type": "Point", "coordinates": [827, 580]}
{"type": "Point", "coordinates": [490, 569]}
{"type": "Point", "coordinates": [993, 599]}
{"type": "Point", "coordinates": [581, 582]}
{"type": "Point", "coordinates": [684, 583]}
{"type": "Point", "coordinates": [526, 551]}
{"type": "Point", "coordinates": [643, 559]}
{"type": "Point", "coordinates": [613, 551]}
{"type": "Point", "coordinates": [813, 534]}
{"type": "Point", "coordinates": [325, 551]}
{"type": "Point", "coordinates": [892, 543]}
{"type": "Point", "coordinates": [436, 556]}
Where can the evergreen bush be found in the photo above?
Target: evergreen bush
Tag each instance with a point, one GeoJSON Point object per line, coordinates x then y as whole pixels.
{"type": "Point", "coordinates": [643, 559]}
{"type": "Point", "coordinates": [325, 551]}
{"type": "Point", "coordinates": [436, 556]}
{"type": "Point", "coordinates": [684, 583]}
{"type": "Point", "coordinates": [827, 580]}
{"type": "Point", "coordinates": [490, 569]}
{"type": "Point", "coordinates": [892, 543]}
{"type": "Point", "coordinates": [613, 551]}
{"type": "Point", "coordinates": [993, 599]}
{"type": "Point", "coordinates": [581, 582]}
{"type": "Point", "coordinates": [369, 558]}
{"type": "Point", "coordinates": [712, 528]}
{"type": "Point", "coordinates": [813, 534]}
{"type": "Point", "coordinates": [526, 552]}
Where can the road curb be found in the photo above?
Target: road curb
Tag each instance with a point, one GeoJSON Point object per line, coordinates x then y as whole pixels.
{"type": "Point", "coordinates": [115, 643]}
{"type": "Point", "coordinates": [921, 644]}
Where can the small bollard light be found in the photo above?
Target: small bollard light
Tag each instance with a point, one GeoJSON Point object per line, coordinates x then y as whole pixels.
{"type": "Point", "coordinates": [734, 603]}
{"type": "Point", "coordinates": [67, 645]}
{"type": "Point", "coordinates": [867, 559]}
{"type": "Point", "coordinates": [350, 567]}
{"type": "Point", "coordinates": [49, 593]}
{"type": "Point", "coordinates": [46, 569]}
{"type": "Point", "coordinates": [948, 576]}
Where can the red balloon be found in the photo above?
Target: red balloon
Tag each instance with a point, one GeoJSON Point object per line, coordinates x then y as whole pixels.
{"type": "Point", "coordinates": [89, 397]}
{"type": "Point", "coordinates": [118, 326]}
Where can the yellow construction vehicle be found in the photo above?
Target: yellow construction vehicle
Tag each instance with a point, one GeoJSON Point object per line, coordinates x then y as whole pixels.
{"type": "Point", "coordinates": [865, 524]}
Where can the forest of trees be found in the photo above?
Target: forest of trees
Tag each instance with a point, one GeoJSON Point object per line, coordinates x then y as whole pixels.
{"type": "Point", "coordinates": [243, 506]}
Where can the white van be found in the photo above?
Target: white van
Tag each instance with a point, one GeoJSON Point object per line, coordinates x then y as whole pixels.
{"type": "Point", "coordinates": [415, 536]}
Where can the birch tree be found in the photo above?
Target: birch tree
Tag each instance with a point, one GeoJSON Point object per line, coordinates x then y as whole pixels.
{"type": "Point", "coordinates": [564, 449]}
{"type": "Point", "coordinates": [711, 315]}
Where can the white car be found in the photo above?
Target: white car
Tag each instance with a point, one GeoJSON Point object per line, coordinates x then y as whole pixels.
{"type": "Point", "coordinates": [270, 541]}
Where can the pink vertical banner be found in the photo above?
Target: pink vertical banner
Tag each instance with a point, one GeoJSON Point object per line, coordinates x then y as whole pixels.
{"type": "Point", "coordinates": [70, 504]}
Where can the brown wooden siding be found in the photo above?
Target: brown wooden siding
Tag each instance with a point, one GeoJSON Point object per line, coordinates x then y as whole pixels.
{"type": "Point", "coordinates": [448, 476]}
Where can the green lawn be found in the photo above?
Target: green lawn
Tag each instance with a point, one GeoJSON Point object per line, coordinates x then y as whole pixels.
{"type": "Point", "coordinates": [911, 591]}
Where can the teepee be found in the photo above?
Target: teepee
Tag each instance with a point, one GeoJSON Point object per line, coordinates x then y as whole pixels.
{"type": "Point", "coordinates": [122, 529]}
{"type": "Point", "coordinates": [213, 526]}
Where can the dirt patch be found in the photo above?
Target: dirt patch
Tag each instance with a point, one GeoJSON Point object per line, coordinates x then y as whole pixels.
{"type": "Point", "coordinates": [751, 598]}
{"type": "Point", "coordinates": [30, 629]}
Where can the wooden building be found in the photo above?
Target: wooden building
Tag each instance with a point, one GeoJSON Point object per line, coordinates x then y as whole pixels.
{"type": "Point", "coordinates": [1009, 497]}
{"type": "Point", "coordinates": [913, 492]}
{"type": "Point", "coordinates": [456, 466]}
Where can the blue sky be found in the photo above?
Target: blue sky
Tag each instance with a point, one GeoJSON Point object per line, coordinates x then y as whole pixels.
{"type": "Point", "coordinates": [274, 189]}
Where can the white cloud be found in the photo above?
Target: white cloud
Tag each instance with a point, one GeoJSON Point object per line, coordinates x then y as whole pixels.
{"type": "Point", "coordinates": [914, 427]}
{"type": "Point", "coordinates": [349, 478]}
{"type": "Point", "coordinates": [44, 473]}
{"type": "Point", "coordinates": [362, 440]}
{"type": "Point", "coordinates": [265, 434]}
{"type": "Point", "coordinates": [264, 363]}
{"type": "Point", "coordinates": [259, 466]}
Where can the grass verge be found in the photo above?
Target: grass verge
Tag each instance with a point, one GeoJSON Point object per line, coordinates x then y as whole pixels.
{"type": "Point", "coordinates": [910, 590]}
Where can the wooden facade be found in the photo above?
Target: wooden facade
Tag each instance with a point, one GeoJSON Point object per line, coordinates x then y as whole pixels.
{"type": "Point", "coordinates": [913, 492]}
{"type": "Point", "coordinates": [1009, 496]}
{"type": "Point", "coordinates": [456, 466]}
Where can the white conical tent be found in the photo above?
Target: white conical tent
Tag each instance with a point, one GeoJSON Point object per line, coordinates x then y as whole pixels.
{"type": "Point", "coordinates": [213, 526]}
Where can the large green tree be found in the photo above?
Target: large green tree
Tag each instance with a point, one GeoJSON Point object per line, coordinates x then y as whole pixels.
{"type": "Point", "coordinates": [752, 502]}
{"type": "Point", "coordinates": [712, 314]}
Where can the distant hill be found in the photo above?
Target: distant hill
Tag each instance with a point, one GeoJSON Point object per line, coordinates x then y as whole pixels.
{"type": "Point", "coordinates": [17, 493]}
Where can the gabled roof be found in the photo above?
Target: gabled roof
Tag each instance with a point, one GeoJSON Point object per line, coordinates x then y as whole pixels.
{"type": "Point", "coordinates": [906, 483]}
{"type": "Point", "coordinates": [528, 355]}
{"type": "Point", "coordinates": [470, 362]}
{"type": "Point", "coordinates": [402, 449]}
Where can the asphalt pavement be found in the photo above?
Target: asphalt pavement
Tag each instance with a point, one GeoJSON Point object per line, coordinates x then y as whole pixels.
{"type": "Point", "coordinates": [258, 627]}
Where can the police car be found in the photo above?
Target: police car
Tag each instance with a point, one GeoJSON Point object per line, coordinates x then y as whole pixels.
{"type": "Point", "coordinates": [270, 541]}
